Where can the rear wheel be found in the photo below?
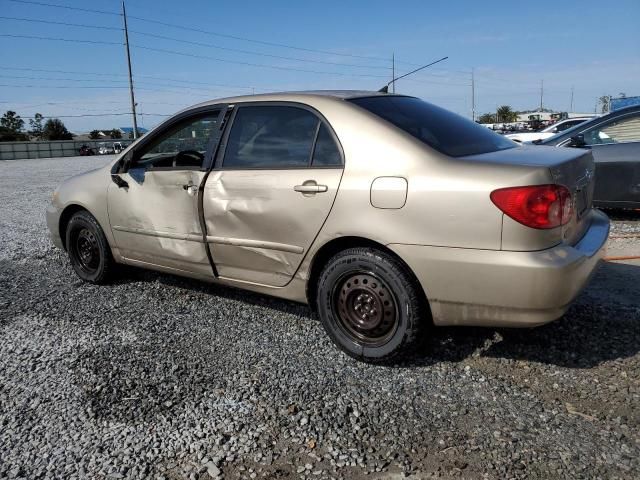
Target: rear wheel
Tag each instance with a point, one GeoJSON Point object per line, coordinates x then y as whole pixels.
{"type": "Point", "coordinates": [88, 249]}
{"type": "Point", "coordinates": [370, 305]}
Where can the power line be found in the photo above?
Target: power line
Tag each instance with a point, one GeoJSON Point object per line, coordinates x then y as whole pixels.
{"type": "Point", "coordinates": [60, 79]}
{"type": "Point", "coordinates": [173, 52]}
{"type": "Point", "coordinates": [207, 95]}
{"type": "Point", "coordinates": [62, 86]}
{"type": "Point", "coordinates": [202, 44]}
{"type": "Point", "coordinates": [260, 42]}
{"type": "Point", "coordinates": [89, 102]}
{"type": "Point", "coordinates": [151, 77]}
{"type": "Point", "coordinates": [207, 32]}
{"type": "Point", "coordinates": [63, 71]}
{"type": "Point", "coordinates": [235, 37]}
{"type": "Point", "coordinates": [249, 52]}
{"type": "Point", "coordinates": [101, 115]}
{"type": "Point", "coordinates": [57, 39]}
{"type": "Point", "coordinates": [261, 65]}
{"type": "Point", "coordinates": [67, 7]}
{"type": "Point", "coordinates": [51, 22]}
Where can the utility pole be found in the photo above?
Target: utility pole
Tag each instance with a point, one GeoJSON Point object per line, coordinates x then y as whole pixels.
{"type": "Point", "coordinates": [133, 100]}
{"type": "Point", "coordinates": [571, 105]}
{"type": "Point", "coordinates": [473, 97]}
{"type": "Point", "coordinates": [393, 72]}
{"type": "Point", "coordinates": [541, 93]}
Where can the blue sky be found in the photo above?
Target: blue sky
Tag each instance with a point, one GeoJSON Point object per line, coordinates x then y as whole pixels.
{"type": "Point", "coordinates": [590, 46]}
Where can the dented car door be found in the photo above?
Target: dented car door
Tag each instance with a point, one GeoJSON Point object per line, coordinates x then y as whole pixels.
{"type": "Point", "coordinates": [274, 184]}
{"type": "Point", "coordinates": [154, 204]}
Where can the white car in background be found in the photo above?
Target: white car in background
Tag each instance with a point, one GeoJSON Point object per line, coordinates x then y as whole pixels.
{"type": "Point", "coordinates": [106, 148]}
{"type": "Point", "coordinates": [545, 133]}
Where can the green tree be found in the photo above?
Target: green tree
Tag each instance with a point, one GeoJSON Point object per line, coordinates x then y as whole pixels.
{"type": "Point", "coordinates": [36, 126]}
{"type": "Point", "coordinates": [94, 134]}
{"type": "Point", "coordinates": [487, 118]}
{"type": "Point", "coordinates": [505, 114]}
{"type": "Point", "coordinates": [115, 133]}
{"type": "Point", "coordinates": [7, 135]}
{"type": "Point", "coordinates": [12, 122]}
{"type": "Point", "coordinates": [54, 129]}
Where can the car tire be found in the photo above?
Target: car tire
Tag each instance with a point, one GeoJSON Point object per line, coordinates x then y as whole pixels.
{"type": "Point", "coordinates": [88, 249]}
{"type": "Point", "coordinates": [371, 305]}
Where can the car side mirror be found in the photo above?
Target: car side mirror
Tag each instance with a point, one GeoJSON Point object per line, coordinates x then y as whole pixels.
{"type": "Point", "coordinates": [577, 141]}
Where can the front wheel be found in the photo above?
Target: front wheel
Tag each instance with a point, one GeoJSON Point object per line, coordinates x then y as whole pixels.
{"type": "Point", "coordinates": [371, 305]}
{"type": "Point", "coordinates": [88, 249]}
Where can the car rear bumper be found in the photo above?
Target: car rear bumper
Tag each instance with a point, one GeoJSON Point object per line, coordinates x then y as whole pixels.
{"type": "Point", "coordinates": [53, 222]}
{"type": "Point", "coordinates": [505, 288]}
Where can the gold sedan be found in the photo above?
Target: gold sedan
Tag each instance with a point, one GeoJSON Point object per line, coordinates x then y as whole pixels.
{"type": "Point", "coordinates": [383, 212]}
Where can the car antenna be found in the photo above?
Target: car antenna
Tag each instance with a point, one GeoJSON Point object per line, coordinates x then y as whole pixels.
{"type": "Point", "coordinates": [385, 89]}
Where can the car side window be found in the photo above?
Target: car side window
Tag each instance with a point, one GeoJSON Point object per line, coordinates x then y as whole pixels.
{"type": "Point", "coordinates": [270, 137]}
{"type": "Point", "coordinates": [326, 152]}
{"type": "Point", "coordinates": [564, 126]}
{"type": "Point", "coordinates": [182, 146]}
{"type": "Point", "coordinates": [620, 131]}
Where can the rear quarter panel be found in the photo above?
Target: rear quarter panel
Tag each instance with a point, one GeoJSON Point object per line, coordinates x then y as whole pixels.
{"type": "Point", "coordinates": [447, 201]}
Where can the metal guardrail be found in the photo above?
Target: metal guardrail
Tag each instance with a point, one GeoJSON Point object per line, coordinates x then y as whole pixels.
{"type": "Point", "coordinates": [48, 149]}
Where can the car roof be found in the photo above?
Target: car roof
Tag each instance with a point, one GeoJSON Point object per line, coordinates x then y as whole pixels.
{"type": "Point", "coordinates": [297, 96]}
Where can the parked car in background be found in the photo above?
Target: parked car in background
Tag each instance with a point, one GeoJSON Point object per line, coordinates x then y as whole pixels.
{"type": "Point", "coordinates": [614, 141]}
{"type": "Point", "coordinates": [105, 148]}
{"type": "Point", "coordinates": [383, 212]}
{"type": "Point", "coordinates": [86, 150]}
{"type": "Point", "coordinates": [119, 147]}
{"type": "Point", "coordinates": [547, 132]}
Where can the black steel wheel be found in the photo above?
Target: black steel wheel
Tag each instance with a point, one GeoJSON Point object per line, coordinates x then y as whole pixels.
{"type": "Point", "coordinates": [88, 249]}
{"type": "Point", "coordinates": [371, 305]}
{"type": "Point", "coordinates": [366, 308]}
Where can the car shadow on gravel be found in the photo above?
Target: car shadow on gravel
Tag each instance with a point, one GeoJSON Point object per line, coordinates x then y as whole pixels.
{"type": "Point", "coordinates": [602, 325]}
{"type": "Point", "coordinates": [133, 275]}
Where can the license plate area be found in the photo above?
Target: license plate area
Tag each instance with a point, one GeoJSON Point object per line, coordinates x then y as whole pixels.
{"type": "Point", "coordinates": [582, 202]}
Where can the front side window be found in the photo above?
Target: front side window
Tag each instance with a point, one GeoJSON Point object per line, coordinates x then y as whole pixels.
{"type": "Point", "coordinates": [182, 146]}
{"type": "Point", "coordinates": [270, 137]}
{"type": "Point", "coordinates": [441, 129]}
{"type": "Point", "coordinates": [620, 131]}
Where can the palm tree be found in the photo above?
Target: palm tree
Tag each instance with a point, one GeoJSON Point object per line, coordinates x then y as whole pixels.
{"type": "Point", "coordinates": [487, 118]}
{"type": "Point", "coordinates": [505, 114]}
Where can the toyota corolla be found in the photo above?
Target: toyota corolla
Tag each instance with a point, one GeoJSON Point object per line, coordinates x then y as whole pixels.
{"type": "Point", "coordinates": [384, 213]}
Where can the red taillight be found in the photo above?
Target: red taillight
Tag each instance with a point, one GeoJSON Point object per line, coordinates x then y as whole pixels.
{"type": "Point", "coordinates": [536, 206]}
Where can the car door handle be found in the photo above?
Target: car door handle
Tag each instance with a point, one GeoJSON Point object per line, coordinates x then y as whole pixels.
{"type": "Point", "coordinates": [191, 188]}
{"type": "Point", "coordinates": [309, 187]}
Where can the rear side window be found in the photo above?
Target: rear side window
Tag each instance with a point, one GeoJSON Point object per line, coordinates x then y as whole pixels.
{"type": "Point", "coordinates": [441, 129]}
{"type": "Point", "coordinates": [326, 153]}
{"type": "Point", "coordinates": [270, 137]}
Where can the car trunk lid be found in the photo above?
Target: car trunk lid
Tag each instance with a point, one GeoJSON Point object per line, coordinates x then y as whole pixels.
{"type": "Point", "coordinates": [571, 167]}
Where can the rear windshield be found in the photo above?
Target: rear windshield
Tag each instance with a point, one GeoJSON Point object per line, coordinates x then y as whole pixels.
{"type": "Point", "coordinates": [441, 129]}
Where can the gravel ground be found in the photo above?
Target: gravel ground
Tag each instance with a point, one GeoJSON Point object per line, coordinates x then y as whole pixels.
{"type": "Point", "coordinates": [156, 376]}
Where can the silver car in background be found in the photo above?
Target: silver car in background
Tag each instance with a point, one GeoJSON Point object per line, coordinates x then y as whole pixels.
{"type": "Point", "coordinates": [383, 212]}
